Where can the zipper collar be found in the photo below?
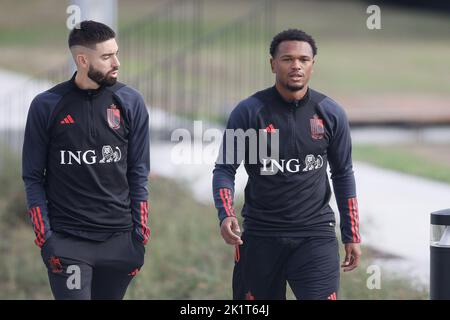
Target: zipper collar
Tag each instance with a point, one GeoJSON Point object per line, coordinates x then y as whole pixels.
{"type": "Point", "coordinates": [87, 92]}
{"type": "Point", "coordinates": [292, 104]}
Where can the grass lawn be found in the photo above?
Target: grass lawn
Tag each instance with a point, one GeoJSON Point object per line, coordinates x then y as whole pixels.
{"type": "Point", "coordinates": [351, 59]}
{"type": "Point", "coordinates": [429, 161]}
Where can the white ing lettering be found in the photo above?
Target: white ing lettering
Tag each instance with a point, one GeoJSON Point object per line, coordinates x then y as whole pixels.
{"type": "Point", "coordinates": [297, 166]}
{"type": "Point", "coordinates": [72, 156]}
{"type": "Point", "coordinates": [311, 163]}
{"type": "Point", "coordinates": [93, 158]}
{"type": "Point", "coordinates": [109, 155]}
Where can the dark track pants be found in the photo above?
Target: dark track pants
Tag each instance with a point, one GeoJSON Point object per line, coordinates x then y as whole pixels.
{"type": "Point", "coordinates": [84, 269]}
{"type": "Point", "coordinates": [264, 264]}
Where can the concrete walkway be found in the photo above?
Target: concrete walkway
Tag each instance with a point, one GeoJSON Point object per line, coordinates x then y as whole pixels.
{"type": "Point", "coordinates": [16, 93]}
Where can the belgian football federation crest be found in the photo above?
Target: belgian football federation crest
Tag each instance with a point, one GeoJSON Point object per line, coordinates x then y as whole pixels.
{"type": "Point", "coordinates": [113, 115]}
{"type": "Point", "coordinates": [317, 128]}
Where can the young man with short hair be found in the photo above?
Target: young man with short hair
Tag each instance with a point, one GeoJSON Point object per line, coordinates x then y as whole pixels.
{"type": "Point", "coordinates": [289, 227]}
{"type": "Point", "coordinates": [85, 167]}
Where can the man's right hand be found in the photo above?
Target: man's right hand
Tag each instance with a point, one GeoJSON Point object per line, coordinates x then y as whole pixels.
{"type": "Point", "coordinates": [229, 230]}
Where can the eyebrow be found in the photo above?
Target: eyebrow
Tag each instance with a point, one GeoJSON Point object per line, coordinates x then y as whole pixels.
{"type": "Point", "coordinates": [109, 54]}
{"type": "Point", "coordinates": [293, 56]}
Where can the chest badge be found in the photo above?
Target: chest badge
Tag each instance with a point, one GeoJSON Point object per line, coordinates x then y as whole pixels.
{"type": "Point", "coordinates": [317, 128]}
{"type": "Point", "coordinates": [113, 115]}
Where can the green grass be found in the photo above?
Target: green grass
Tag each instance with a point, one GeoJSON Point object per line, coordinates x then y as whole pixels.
{"type": "Point", "coordinates": [404, 159]}
{"type": "Point", "coordinates": [392, 286]}
{"type": "Point", "coordinates": [373, 67]}
{"type": "Point", "coordinates": [405, 56]}
{"type": "Point", "coordinates": [186, 257]}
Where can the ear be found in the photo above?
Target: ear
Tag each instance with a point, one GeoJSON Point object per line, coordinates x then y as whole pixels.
{"type": "Point", "coordinates": [272, 65]}
{"type": "Point", "coordinates": [82, 61]}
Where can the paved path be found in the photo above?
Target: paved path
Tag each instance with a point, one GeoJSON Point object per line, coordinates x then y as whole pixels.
{"type": "Point", "coordinates": [16, 93]}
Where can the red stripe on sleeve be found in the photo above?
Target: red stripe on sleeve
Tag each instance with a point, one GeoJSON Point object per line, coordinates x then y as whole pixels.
{"type": "Point", "coordinates": [350, 205]}
{"type": "Point", "coordinates": [356, 212]}
{"type": "Point", "coordinates": [147, 228]}
{"type": "Point", "coordinates": [142, 220]}
{"type": "Point", "coordinates": [230, 202]}
{"type": "Point", "coordinates": [237, 255]}
{"type": "Point", "coordinates": [222, 191]}
{"type": "Point", "coordinates": [41, 222]}
{"type": "Point", "coordinates": [39, 240]}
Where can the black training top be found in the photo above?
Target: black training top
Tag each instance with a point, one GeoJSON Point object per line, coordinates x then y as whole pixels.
{"type": "Point", "coordinates": [288, 194]}
{"type": "Point", "coordinates": [86, 161]}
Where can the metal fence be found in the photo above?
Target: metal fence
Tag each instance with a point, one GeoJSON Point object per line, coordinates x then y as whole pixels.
{"type": "Point", "coordinates": [185, 69]}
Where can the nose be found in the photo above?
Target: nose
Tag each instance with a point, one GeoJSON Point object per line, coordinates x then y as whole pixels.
{"type": "Point", "coordinates": [296, 65]}
{"type": "Point", "coordinates": [115, 62]}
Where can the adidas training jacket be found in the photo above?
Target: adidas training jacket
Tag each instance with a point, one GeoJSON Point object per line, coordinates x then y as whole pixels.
{"type": "Point", "coordinates": [289, 196]}
{"type": "Point", "coordinates": [86, 161]}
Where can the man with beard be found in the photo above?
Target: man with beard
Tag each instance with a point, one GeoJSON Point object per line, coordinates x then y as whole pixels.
{"type": "Point", "coordinates": [85, 167]}
{"type": "Point", "coordinates": [289, 227]}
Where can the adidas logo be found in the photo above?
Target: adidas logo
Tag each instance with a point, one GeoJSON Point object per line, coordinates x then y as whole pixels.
{"type": "Point", "coordinates": [270, 129]}
{"type": "Point", "coordinates": [67, 120]}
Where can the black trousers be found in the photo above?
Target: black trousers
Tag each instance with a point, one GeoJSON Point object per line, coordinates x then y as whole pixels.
{"type": "Point", "coordinates": [84, 269]}
{"type": "Point", "coordinates": [263, 266]}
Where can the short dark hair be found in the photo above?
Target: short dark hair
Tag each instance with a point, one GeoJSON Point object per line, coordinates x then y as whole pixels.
{"type": "Point", "coordinates": [291, 35]}
{"type": "Point", "coordinates": [89, 33]}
